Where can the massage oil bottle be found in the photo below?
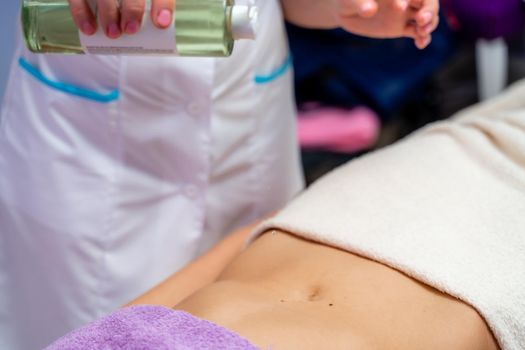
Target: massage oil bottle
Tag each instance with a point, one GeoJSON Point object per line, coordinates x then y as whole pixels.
{"type": "Point", "coordinates": [200, 28]}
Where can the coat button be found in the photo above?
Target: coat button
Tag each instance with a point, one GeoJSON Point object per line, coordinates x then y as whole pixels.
{"type": "Point", "coordinates": [194, 108]}
{"type": "Point", "coordinates": [191, 191]}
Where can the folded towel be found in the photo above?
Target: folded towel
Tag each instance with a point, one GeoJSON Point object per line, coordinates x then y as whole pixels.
{"type": "Point", "coordinates": [445, 206]}
{"type": "Point", "coordinates": [151, 327]}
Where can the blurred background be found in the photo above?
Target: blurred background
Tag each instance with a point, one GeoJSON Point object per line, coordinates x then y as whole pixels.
{"type": "Point", "coordinates": [356, 94]}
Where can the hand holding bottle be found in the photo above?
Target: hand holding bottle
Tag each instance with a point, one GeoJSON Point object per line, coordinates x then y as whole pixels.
{"type": "Point", "coordinates": [115, 19]}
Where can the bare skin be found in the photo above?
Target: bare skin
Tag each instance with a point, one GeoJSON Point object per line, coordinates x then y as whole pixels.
{"type": "Point", "coordinates": [287, 293]}
{"type": "Point", "coordinates": [116, 20]}
{"type": "Point", "coordinates": [415, 19]}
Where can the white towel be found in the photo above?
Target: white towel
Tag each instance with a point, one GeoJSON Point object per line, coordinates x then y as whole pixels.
{"type": "Point", "coordinates": [445, 206]}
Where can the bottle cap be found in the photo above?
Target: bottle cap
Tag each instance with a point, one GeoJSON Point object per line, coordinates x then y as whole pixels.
{"type": "Point", "coordinates": [244, 21]}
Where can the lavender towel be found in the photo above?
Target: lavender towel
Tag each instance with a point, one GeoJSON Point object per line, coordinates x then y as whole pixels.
{"type": "Point", "coordinates": [151, 327]}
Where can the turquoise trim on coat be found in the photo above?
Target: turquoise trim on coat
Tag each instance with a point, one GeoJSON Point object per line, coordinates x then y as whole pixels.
{"type": "Point", "coordinates": [276, 74]}
{"type": "Point", "coordinates": [67, 88]}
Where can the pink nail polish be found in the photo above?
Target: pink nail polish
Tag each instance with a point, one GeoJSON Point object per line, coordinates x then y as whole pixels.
{"type": "Point", "coordinates": [87, 28]}
{"type": "Point", "coordinates": [425, 43]}
{"type": "Point", "coordinates": [132, 27]}
{"type": "Point", "coordinates": [113, 31]}
{"type": "Point", "coordinates": [164, 18]}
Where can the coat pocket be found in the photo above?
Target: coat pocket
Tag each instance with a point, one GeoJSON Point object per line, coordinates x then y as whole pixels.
{"type": "Point", "coordinates": [278, 72]}
{"type": "Point", "coordinates": [96, 96]}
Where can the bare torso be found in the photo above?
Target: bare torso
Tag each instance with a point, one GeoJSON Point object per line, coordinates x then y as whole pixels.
{"type": "Point", "coordinates": [287, 293]}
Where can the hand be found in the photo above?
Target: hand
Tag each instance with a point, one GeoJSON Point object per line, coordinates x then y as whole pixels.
{"type": "Point", "coordinates": [116, 20]}
{"type": "Point", "coordinates": [416, 19]}
{"type": "Point", "coordinates": [426, 21]}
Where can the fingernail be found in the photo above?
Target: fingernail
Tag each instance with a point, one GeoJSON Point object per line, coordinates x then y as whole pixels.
{"type": "Point", "coordinates": [87, 28]}
{"type": "Point", "coordinates": [164, 18]}
{"type": "Point", "coordinates": [113, 31]}
{"type": "Point", "coordinates": [367, 6]}
{"type": "Point", "coordinates": [427, 42]}
{"type": "Point", "coordinates": [132, 27]}
{"type": "Point", "coordinates": [428, 29]}
{"type": "Point", "coordinates": [426, 16]}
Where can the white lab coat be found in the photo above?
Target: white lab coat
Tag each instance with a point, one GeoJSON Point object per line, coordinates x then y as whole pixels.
{"type": "Point", "coordinates": [101, 201]}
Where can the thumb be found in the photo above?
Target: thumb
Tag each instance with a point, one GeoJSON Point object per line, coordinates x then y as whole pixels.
{"type": "Point", "coordinates": [162, 13]}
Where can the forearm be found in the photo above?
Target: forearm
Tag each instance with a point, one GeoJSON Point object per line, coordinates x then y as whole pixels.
{"type": "Point", "coordinates": [197, 274]}
{"type": "Point", "coordinates": [310, 13]}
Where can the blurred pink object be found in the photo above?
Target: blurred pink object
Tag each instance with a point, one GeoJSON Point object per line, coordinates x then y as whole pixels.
{"type": "Point", "coordinates": [338, 130]}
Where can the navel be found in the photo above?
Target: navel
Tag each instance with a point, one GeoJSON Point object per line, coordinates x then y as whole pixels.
{"type": "Point", "coordinates": [314, 293]}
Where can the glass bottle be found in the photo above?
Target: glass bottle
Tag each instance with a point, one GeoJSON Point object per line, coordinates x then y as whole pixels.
{"type": "Point", "coordinates": [201, 28]}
